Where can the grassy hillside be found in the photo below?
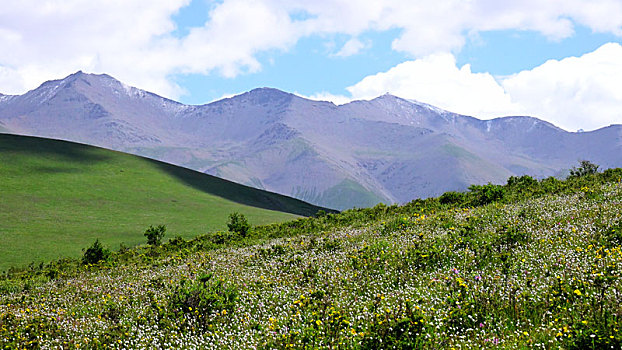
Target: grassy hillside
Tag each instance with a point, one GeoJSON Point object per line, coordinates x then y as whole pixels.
{"type": "Point", "coordinates": [532, 264]}
{"type": "Point", "coordinates": [58, 197]}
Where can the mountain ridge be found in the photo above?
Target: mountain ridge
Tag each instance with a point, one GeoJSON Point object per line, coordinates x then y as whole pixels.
{"type": "Point", "coordinates": [387, 149]}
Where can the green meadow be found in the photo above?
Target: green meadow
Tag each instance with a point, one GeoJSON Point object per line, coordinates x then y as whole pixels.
{"type": "Point", "coordinates": [57, 198]}
{"type": "Point", "coordinates": [533, 264]}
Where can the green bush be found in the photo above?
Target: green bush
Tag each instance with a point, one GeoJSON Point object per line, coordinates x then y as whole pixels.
{"type": "Point", "coordinates": [95, 254]}
{"type": "Point", "coordinates": [178, 243]}
{"type": "Point", "coordinates": [238, 224]}
{"type": "Point", "coordinates": [485, 194]}
{"type": "Point", "coordinates": [154, 234]}
{"type": "Point", "coordinates": [523, 185]}
{"type": "Point", "coordinates": [221, 237]}
{"type": "Point", "coordinates": [203, 299]}
{"type": "Point", "coordinates": [451, 197]}
{"type": "Point", "coordinates": [613, 235]}
{"type": "Point", "coordinates": [585, 168]}
{"type": "Point", "coordinates": [396, 330]}
{"type": "Point", "coordinates": [611, 175]}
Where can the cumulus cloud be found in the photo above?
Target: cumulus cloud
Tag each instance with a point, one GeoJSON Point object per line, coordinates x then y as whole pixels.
{"type": "Point", "coordinates": [429, 27]}
{"type": "Point", "coordinates": [351, 47]}
{"type": "Point", "coordinates": [134, 41]}
{"type": "Point", "coordinates": [235, 32]}
{"type": "Point", "coordinates": [44, 40]}
{"type": "Point", "coordinates": [438, 81]}
{"type": "Point", "coordinates": [573, 93]}
{"type": "Point", "coordinates": [327, 96]}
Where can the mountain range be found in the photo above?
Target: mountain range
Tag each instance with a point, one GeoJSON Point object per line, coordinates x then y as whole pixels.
{"type": "Point", "coordinates": [388, 149]}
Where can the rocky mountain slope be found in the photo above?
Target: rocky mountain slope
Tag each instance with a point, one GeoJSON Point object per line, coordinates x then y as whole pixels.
{"type": "Point", "coordinates": [355, 155]}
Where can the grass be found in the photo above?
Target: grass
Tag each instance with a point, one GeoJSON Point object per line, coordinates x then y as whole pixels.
{"type": "Point", "coordinates": [349, 192]}
{"type": "Point", "coordinates": [58, 197]}
{"type": "Point", "coordinates": [532, 264]}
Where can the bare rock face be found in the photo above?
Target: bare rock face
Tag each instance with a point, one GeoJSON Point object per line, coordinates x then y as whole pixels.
{"type": "Point", "coordinates": [387, 150]}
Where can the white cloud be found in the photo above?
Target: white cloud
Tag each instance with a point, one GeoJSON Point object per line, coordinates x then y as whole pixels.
{"type": "Point", "coordinates": [429, 27]}
{"type": "Point", "coordinates": [235, 32]}
{"type": "Point", "coordinates": [327, 96]}
{"type": "Point", "coordinates": [576, 92]}
{"type": "Point", "coordinates": [351, 47]}
{"type": "Point", "coordinates": [133, 39]}
{"type": "Point", "coordinates": [44, 40]}
{"type": "Point", "coordinates": [438, 81]}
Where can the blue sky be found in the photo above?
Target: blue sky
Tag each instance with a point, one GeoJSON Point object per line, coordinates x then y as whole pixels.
{"type": "Point", "coordinates": [511, 51]}
{"type": "Point", "coordinates": [560, 61]}
{"type": "Point", "coordinates": [307, 68]}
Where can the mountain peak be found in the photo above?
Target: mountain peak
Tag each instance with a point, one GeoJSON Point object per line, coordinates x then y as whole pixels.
{"type": "Point", "coordinates": [55, 83]}
{"type": "Point", "coordinates": [386, 96]}
{"type": "Point", "coordinates": [89, 76]}
{"type": "Point", "coordinates": [73, 77]}
{"type": "Point", "coordinates": [527, 122]}
{"type": "Point", "coordinates": [268, 91]}
{"type": "Point", "coordinates": [390, 101]}
{"type": "Point", "coordinates": [266, 95]}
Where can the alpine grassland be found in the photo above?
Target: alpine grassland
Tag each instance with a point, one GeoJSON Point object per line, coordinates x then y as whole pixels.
{"type": "Point", "coordinates": [57, 197]}
{"type": "Point", "coordinates": [530, 264]}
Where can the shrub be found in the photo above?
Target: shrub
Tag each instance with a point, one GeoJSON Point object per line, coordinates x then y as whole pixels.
{"type": "Point", "coordinates": [401, 329]}
{"type": "Point", "coordinates": [485, 194]}
{"type": "Point", "coordinates": [612, 175]}
{"type": "Point", "coordinates": [203, 299]}
{"type": "Point", "coordinates": [522, 181]}
{"type": "Point", "coordinates": [222, 237]}
{"type": "Point", "coordinates": [451, 197]}
{"type": "Point", "coordinates": [585, 168]}
{"type": "Point", "coordinates": [178, 243]}
{"type": "Point", "coordinates": [238, 224]}
{"type": "Point", "coordinates": [154, 234]}
{"type": "Point", "coordinates": [95, 253]}
{"type": "Point", "coordinates": [510, 236]}
{"type": "Point", "coordinates": [551, 185]}
{"type": "Point", "coordinates": [613, 235]}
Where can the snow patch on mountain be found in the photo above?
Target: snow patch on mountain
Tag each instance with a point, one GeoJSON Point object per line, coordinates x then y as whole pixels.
{"type": "Point", "coordinates": [431, 108]}
{"type": "Point", "coordinates": [6, 98]}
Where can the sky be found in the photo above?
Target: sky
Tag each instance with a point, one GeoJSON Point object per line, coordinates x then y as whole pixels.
{"type": "Point", "coordinates": [557, 60]}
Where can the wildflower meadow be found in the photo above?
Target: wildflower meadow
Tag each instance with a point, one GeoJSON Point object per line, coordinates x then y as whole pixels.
{"type": "Point", "coordinates": [531, 264]}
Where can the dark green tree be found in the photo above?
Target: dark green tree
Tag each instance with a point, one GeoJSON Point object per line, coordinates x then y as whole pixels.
{"type": "Point", "coordinates": [154, 234]}
{"type": "Point", "coordinates": [238, 224]}
{"type": "Point", "coordinates": [95, 253]}
{"type": "Point", "coordinates": [484, 194]}
{"type": "Point", "coordinates": [585, 168]}
{"type": "Point", "coordinates": [451, 197]}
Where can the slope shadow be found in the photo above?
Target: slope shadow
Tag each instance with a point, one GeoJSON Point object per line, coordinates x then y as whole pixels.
{"type": "Point", "coordinates": [240, 194]}
{"type": "Point", "coordinates": [35, 146]}
{"type": "Point", "coordinates": [84, 154]}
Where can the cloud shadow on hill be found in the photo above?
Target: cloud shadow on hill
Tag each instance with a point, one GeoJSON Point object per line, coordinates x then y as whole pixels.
{"type": "Point", "coordinates": [65, 150]}
{"type": "Point", "coordinates": [239, 193]}
{"type": "Point", "coordinates": [77, 155]}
